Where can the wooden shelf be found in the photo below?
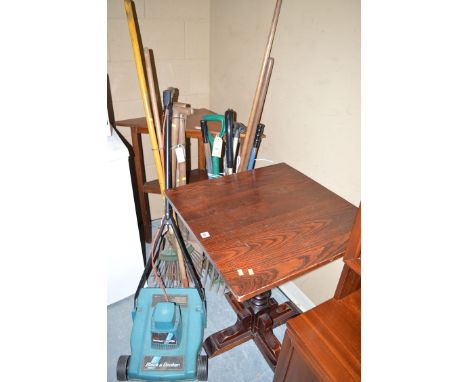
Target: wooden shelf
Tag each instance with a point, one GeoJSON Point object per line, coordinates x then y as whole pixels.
{"type": "Point", "coordinates": [138, 127]}
{"type": "Point", "coordinates": [152, 187]}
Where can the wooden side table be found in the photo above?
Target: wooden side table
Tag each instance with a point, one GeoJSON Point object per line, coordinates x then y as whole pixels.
{"type": "Point", "coordinates": [138, 127]}
{"type": "Point", "coordinates": [260, 229]}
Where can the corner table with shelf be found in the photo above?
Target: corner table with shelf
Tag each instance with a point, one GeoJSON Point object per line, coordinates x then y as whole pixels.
{"type": "Point", "coordinates": [260, 229]}
{"type": "Point", "coordinates": [144, 187]}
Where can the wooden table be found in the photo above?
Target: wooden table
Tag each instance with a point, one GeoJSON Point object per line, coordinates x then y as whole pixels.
{"type": "Point", "coordinates": [265, 226]}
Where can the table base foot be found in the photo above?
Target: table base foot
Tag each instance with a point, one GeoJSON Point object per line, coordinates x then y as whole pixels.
{"type": "Point", "coordinates": [256, 319]}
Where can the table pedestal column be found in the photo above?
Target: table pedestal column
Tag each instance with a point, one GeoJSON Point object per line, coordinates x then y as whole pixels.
{"type": "Point", "coordinates": [256, 319]}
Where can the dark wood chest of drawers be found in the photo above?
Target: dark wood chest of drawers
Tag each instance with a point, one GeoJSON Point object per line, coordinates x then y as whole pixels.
{"type": "Point", "coordinates": [323, 344]}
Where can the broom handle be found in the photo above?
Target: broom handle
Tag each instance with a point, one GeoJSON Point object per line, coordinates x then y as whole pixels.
{"type": "Point", "coordinates": [144, 92]}
{"type": "Point", "coordinates": [251, 126]}
{"type": "Point", "coordinates": [154, 102]}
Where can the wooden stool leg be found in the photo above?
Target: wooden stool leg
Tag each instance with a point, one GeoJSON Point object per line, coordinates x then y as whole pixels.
{"type": "Point", "coordinates": [141, 178]}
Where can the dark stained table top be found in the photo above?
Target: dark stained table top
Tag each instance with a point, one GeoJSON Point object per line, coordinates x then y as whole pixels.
{"type": "Point", "coordinates": [265, 226]}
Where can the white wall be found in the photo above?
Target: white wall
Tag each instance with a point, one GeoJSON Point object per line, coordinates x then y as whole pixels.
{"type": "Point", "coordinates": [312, 111]}
{"type": "Point", "coordinates": [124, 260]}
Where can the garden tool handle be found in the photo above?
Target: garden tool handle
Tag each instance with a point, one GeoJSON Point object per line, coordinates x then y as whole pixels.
{"type": "Point", "coordinates": [167, 97]}
{"type": "Point", "coordinates": [258, 135]}
{"type": "Point", "coordinates": [204, 130]}
{"type": "Point", "coordinates": [238, 129]}
{"type": "Point", "coordinates": [137, 54]}
{"type": "Point", "coordinates": [229, 117]}
{"type": "Point", "coordinates": [215, 118]}
{"type": "Point", "coordinates": [262, 86]}
{"type": "Point", "coordinates": [206, 145]}
{"type": "Point", "coordinates": [256, 145]}
{"type": "Point", "coordinates": [167, 102]}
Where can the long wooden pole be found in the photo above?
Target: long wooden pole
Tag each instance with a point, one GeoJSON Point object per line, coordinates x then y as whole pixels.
{"type": "Point", "coordinates": [249, 135]}
{"type": "Point", "coordinates": [144, 91]}
{"type": "Point", "coordinates": [261, 103]}
{"type": "Point", "coordinates": [154, 103]}
{"type": "Point", "coordinates": [263, 91]}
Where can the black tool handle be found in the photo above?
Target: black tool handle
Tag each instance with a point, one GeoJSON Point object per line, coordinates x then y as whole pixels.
{"type": "Point", "coordinates": [168, 216]}
{"type": "Point", "coordinates": [258, 135]}
{"type": "Point", "coordinates": [238, 129]}
{"type": "Point", "coordinates": [167, 97]}
{"type": "Point", "coordinates": [204, 130]}
{"type": "Point", "coordinates": [167, 102]}
{"type": "Point", "coordinates": [229, 123]}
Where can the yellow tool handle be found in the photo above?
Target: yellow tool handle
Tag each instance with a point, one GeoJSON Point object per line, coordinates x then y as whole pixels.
{"type": "Point", "coordinates": [154, 103]}
{"type": "Point", "coordinates": [144, 92]}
